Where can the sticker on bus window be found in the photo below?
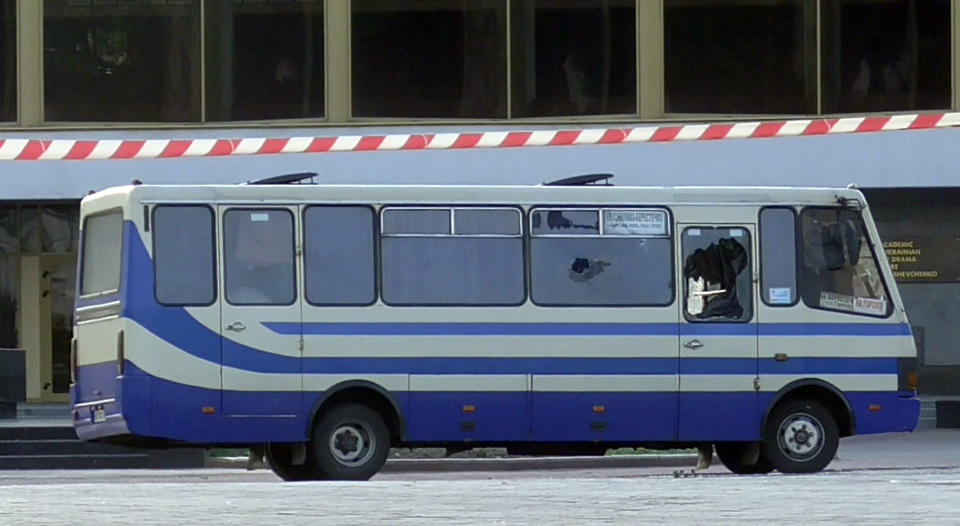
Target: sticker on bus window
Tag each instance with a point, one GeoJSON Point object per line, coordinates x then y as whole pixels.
{"type": "Point", "coordinates": [259, 218]}
{"type": "Point", "coordinates": [693, 231]}
{"type": "Point", "coordinates": [832, 300]}
{"type": "Point", "coordinates": [780, 295]}
{"type": "Point", "coordinates": [635, 222]}
{"type": "Point", "coordinates": [736, 232]}
{"type": "Point", "coordinates": [870, 306]}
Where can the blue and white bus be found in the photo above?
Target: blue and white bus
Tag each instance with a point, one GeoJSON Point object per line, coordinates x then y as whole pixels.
{"type": "Point", "coordinates": [327, 324]}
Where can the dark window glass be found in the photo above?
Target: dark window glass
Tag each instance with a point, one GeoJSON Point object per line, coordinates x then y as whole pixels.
{"type": "Point", "coordinates": [183, 248]}
{"type": "Point", "coordinates": [566, 222]}
{"type": "Point", "coordinates": [264, 60]}
{"type": "Point", "coordinates": [9, 240]}
{"type": "Point", "coordinates": [258, 257]}
{"type": "Point", "coordinates": [573, 57]}
{"type": "Point", "coordinates": [60, 229]}
{"type": "Point", "coordinates": [601, 271]}
{"type": "Point", "coordinates": [717, 274]}
{"type": "Point", "coordinates": [483, 222]}
{"type": "Point", "coordinates": [414, 221]}
{"type": "Point", "coordinates": [778, 256]}
{"type": "Point", "coordinates": [9, 276]}
{"type": "Point", "coordinates": [339, 256]}
{"type": "Point", "coordinates": [838, 270]}
{"type": "Point", "coordinates": [452, 271]}
{"type": "Point", "coordinates": [423, 264]}
{"type": "Point", "coordinates": [8, 60]}
{"type": "Point", "coordinates": [729, 56]}
{"type": "Point", "coordinates": [433, 58]}
{"type": "Point", "coordinates": [101, 260]}
{"type": "Point", "coordinates": [886, 55]}
{"type": "Point", "coordinates": [121, 61]}
{"type": "Point", "coordinates": [31, 230]}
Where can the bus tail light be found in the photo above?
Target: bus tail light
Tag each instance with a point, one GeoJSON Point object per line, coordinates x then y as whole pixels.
{"type": "Point", "coordinates": [120, 352]}
{"type": "Point", "coordinates": [907, 374]}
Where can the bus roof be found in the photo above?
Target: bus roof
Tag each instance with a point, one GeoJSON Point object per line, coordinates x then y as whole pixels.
{"type": "Point", "coordinates": [454, 194]}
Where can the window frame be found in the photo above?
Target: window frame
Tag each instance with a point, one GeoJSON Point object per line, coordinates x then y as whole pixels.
{"type": "Point", "coordinates": [293, 246]}
{"type": "Point", "coordinates": [798, 247]}
{"type": "Point", "coordinates": [153, 235]}
{"type": "Point", "coordinates": [453, 235]}
{"type": "Point", "coordinates": [749, 268]}
{"type": "Point", "coordinates": [873, 253]}
{"type": "Point", "coordinates": [374, 224]}
{"type": "Point", "coordinates": [669, 236]}
{"type": "Point", "coordinates": [83, 255]}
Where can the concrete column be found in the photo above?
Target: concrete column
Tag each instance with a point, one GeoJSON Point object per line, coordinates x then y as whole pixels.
{"type": "Point", "coordinates": [30, 63]}
{"type": "Point", "coordinates": [650, 59]}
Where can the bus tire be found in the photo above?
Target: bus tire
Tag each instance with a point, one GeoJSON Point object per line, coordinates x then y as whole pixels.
{"type": "Point", "coordinates": [280, 459]}
{"type": "Point", "coordinates": [735, 456]}
{"type": "Point", "coordinates": [801, 437]}
{"type": "Point", "coordinates": [350, 442]}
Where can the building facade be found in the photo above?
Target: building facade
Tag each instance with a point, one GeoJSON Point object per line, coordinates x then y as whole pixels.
{"type": "Point", "coordinates": [95, 93]}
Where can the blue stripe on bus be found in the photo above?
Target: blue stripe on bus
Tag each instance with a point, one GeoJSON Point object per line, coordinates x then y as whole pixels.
{"type": "Point", "coordinates": [586, 329]}
{"type": "Point", "coordinates": [475, 329]}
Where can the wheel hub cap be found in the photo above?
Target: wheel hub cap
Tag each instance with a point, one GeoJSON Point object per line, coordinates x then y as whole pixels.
{"type": "Point", "coordinates": [351, 444]}
{"type": "Point", "coordinates": [801, 437]}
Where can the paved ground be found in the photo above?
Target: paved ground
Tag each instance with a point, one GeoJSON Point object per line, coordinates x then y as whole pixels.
{"type": "Point", "coordinates": [892, 479]}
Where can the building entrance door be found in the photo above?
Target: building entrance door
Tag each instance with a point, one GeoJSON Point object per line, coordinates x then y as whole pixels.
{"type": "Point", "coordinates": [47, 292]}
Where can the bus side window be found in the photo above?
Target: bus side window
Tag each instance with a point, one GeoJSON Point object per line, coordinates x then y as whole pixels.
{"type": "Point", "coordinates": [259, 256]}
{"type": "Point", "coordinates": [778, 256]}
{"type": "Point", "coordinates": [339, 261]}
{"type": "Point", "coordinates": [716, 273]}
{"type": "Point", "coordinates": [183, 248]}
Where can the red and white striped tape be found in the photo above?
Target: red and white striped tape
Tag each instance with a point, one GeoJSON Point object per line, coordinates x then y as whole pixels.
{"type": "Point", "coordinates": [82, 150]}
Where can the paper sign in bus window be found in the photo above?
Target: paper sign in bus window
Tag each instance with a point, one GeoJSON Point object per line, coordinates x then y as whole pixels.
{"type": "Point", "coordinates": [780, 295]}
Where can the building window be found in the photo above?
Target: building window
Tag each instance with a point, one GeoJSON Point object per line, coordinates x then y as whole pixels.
{"type": "Point", "coordinates": [9, 276]}
{"type": "Point", "coordinates": [477, 263]}
{"type": "Point", "coordinates": [624, 260]}
{"type": "Point", "coordinates": [436, 58]}
{"type": "Point", "coordinates": [183, 248]}
{"type": "Point", "coordinates": [887, 55]}
{"type": "Point", "coordinates": [573, 57]}
{"type": "Point", "coordinates": [729, 56]}
{"type": "Point", "coordinates": [264, 60]}
{"type": "Point", "coordinates": [8, 60]}
{"type": "Point", "coordinates": [339, 260]}
{"type": "Point", "coordinates": [121, 61]}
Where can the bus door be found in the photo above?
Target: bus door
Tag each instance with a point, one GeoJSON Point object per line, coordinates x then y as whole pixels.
{"type": "Point", "coordinates": [260, 311]}
{"type": "Point", "coordinates": [718, 333]}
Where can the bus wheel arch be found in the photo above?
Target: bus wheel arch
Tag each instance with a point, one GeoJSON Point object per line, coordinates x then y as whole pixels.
{"type": "Point", "coordinates": [821, 392]}
{"type": "Point", "coordinates": [365, 393]}
{"type": "Point", "coordinates": [802, 428]}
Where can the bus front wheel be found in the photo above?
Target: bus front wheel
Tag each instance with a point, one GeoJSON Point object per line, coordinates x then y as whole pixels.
{"type": "Point", "coordinates": [801, 437]}
{"type": "Point", "coordinates": [350, 442]}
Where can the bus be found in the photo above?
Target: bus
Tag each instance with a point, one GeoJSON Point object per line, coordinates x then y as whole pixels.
{"type": "Point", "coordinates": [326, 324]}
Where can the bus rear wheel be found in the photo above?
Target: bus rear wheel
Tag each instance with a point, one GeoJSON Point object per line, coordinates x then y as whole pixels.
{"type": "Point", "coordinates": [801, 437]}
{"type": "Point", "coordinates": [350, 442]}
{"type": "Point", "coordinates": [280, 457]}
{"type": "Point", "coordinates": [738, 458]}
